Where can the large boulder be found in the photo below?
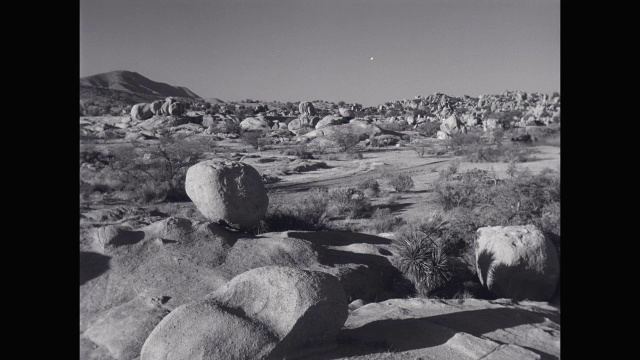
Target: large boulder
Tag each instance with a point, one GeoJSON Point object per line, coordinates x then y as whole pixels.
{"type": "Point", "coordinates": [210, 120]}
{"type": "Point", "coordinates": [165, 258]}
{"type": "Point", "coordinates": [156, 107]}
{"type": "Point", "coordinates": [164, 109]}
{"type": "Point", "coordinates": [348, 113]}
{"type": "Point", "coordinates": [330, 120]}
{"type": "Point", "coordinates": [227, 190]}
{"type": "Point", "coordinates": [254, 124]}
{"type": "Point", "coordinates": [362, 129]}
{"type": "Point", "coordinates": [306, 108]}
{"type": "Point", "coordinates": [303, 121]}
{"type": "Point", "coordinates": [452, 126]}
{"type": "Point", "coordinates": [123, 329]}
{"type": "Point", "coordinates": [270, 312]}
{"type": "Point", "coordinates": [141, 111]}
{"type": "Point", "coordinates": [517, 262]}
{"type": "Point", "coordinates": [176, 109]}
{"type": "Point", "coordinates": [490, 124]}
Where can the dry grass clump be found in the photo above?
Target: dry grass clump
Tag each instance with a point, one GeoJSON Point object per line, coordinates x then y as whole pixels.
{"type": "Point", "coordinates": [309, 212]}
{"type": "Point", "coordinates": [383, 221]}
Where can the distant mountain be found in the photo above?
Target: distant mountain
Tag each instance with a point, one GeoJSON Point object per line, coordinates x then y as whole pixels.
{"type": "Point", "coordinates": [132, 82]}
{"type": "Point", "coordinates": [214, 101]}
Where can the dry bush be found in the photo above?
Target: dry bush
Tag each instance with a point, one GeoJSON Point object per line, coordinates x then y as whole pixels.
{"type": "Point", "coordinates": [476, 198]}
{"type": "Point", "coordinates": [348, 202]}
{"type": "Point", "coordinates": [157, 172]}
{"type": "Point", "coordinates": [301, 151]}
{"type": "Point", "coordinates": [401, 182]}
{"type": "Point", "coordinates": [254, 139]}
{"type": "Point", "coordinates": [371, 185]}
{"type": "Point", "coordinates": [422, 148]}
{"type": "Point", "coordinates": [428, 129]}
{"type": "Point", "coordinates": [344, 139]}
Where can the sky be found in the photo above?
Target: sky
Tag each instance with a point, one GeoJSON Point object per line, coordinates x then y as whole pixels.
{"type": "Point", "coordinates": [306, 50]}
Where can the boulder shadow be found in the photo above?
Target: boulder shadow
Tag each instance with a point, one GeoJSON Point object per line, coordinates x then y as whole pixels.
{"type": "Point", "coordinates": [426, 332]}
{"type": "Point", "coordinates": [92, 265]}
{"type": "Point", "coordinates": [339, 238]}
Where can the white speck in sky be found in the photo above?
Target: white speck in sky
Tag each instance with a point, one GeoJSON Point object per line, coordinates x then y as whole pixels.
{"type": "Point", "coordinates": [371, 58]}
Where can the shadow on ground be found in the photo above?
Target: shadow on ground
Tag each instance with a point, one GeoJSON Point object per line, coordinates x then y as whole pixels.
{"type": "Point", "coordinates": [395, 207]}
{"type": "Point", "coordinates": [339, 238]}
{"type": "Point", "coordinates": [92, 265]}
{"type": "Point", "coordinates": [426, 332]}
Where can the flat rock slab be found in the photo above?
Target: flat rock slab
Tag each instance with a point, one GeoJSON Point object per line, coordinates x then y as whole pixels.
{"type": "Point", "coordinates": [450, 329]}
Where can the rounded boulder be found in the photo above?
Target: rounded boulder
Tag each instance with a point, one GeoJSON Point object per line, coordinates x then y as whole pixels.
{"type": "Point", "coordinates": [270, 312]}
{"type": "Point", "coordinates": [141, 111]}
{"type": "Point", "coordinates": [156, 107]}
{"type": "Point", "coordinates": [517, 262]}
{"type": "Point", "coordinates": [227, 190]}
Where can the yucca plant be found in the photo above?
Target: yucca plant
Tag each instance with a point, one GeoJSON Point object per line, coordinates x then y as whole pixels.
{"type": "Point", "coordinates": [423, 260]}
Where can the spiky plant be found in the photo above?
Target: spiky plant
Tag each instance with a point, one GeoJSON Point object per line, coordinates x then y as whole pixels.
{"type": "Point", "coordinates": [423, 260]}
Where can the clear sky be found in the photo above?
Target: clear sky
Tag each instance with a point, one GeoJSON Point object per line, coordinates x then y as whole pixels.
{"type": "Point", "coordinates": [307, 50]}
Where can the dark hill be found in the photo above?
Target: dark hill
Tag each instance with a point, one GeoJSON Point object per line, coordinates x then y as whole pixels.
{"type": "Point", "coordinates": [133, 82]}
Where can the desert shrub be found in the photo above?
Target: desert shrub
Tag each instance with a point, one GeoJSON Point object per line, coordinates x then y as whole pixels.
{"type": "Point", "coordinates": [428, 128]}
{"type": "Point", "coordinates": [157, 172]}
{"type": "Point", "coordinates": [345, 140]}
{"type": "Point", "coordinates": [92, 111]}
{"type": "Point", "coordinates": [476, 198]}
{"type": "Point", "coordinates": [422, 148]}
{"type": "Point", "coordinates": [254, 139]}
{"type": "Point", "coordinates": [476, 149]}
{"type": "Point", "coordinates": [423, 260]}
{"type": "Point", "coordinates": [497, 135]}
{"type": "Point", "coordinates": [89, 154]}
{"type": "Point", "coordinates": [392, 198]}
{"type": "Point", "coordinates": [320, 148]}
{"type": "Point", "coordinates": [369, 184]}
{"type": "Point", "coordinates": [401, 182]}
{"type": "Point", "coordinates": [461, 141]}
{"type": "Point", "coordinates": [512, 169]}
{"type": "Point", "coordinates": [451, 169]}
{"type": "Point", "coordinates": [231, 127]}
{"type": "Point", "coordinates": [454, 189]}
{"type": "Point", "coordinates": [309, 212]}
{"type": "Point", "coordinates": [348, 202]}
{"type": "Point", "coordinates": [383, 221]}
{"type": "Point", "coordinates": [354, 155]}
{"type": "Point", "coordinates": [301, 151]}
{"type": "Point", "coordinates": [550, 221]}
{"type": "Point", "coordinates": [486, 153]}
{"type": "Point", "coordinates": [544, 132]}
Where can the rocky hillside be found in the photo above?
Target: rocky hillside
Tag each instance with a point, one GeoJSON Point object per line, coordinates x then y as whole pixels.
{"type": "Point", "coordinates": [135, 83]}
